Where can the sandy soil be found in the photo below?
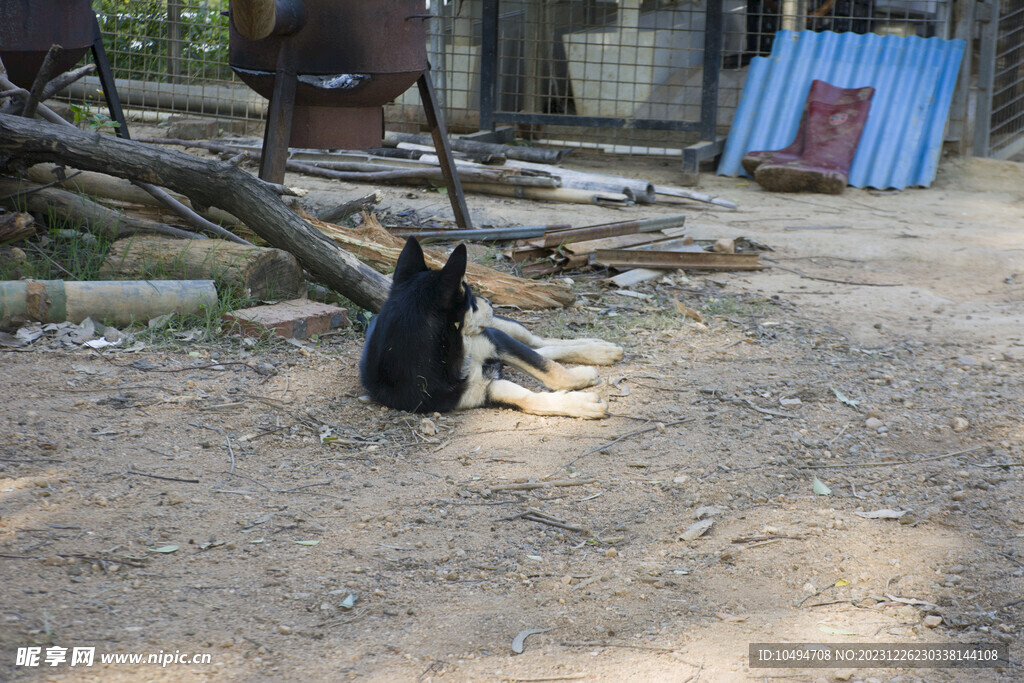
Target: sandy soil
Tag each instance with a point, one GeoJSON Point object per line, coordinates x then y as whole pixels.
{"type": "Point", "coordinates": [905, 396]}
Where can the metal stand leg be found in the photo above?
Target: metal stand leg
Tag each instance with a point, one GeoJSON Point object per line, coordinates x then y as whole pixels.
{"type": "Point", "coordinates": [279, 118]}
{"type": "Point", "coordinates": [435, 119]}
{"type": "Point", "coordinates": [99, 55]}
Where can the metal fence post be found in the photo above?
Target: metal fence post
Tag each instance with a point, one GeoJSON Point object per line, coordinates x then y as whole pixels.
{"type": "Point", "coordinates": [988, 17]}
{"type": "Point", "coordinates": [488, 62]}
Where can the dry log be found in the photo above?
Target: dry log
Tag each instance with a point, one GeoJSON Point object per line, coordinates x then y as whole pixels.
{"type": "Point", "coordinates": [174, 205]}
{"type": "Point", "coordinates": [209, 183]}
{"type": "Point", "coordinates": [76, 209]}
{"type": "Point", "coordinates": [538, 154]}
{"type": "Point", "coordinates": [252, 272]}
{"type": "Point", "coordinates": [375, 245]}
{"type": "Point", "coordinates": [16, 226]}
{"type": "Point", "coordinates": [105, 186]}
{"type": "Point", "coordinates": [353, 206]}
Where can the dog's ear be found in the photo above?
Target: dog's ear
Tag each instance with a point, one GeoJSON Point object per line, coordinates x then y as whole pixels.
{"type": "Point", "coordinates": [454, 271]}
{"type": "Point", "coordinates": [410, 262]}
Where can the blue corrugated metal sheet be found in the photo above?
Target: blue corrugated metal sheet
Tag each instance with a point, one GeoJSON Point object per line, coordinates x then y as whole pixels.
{"type": "Point", "coordinates": [913, 80]}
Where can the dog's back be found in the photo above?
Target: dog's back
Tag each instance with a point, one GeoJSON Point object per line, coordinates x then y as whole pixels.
{"type": "Point", "coordinates": [413, 355]}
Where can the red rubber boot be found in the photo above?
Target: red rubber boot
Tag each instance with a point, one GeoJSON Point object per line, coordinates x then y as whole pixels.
{"type": "Point", "coordinates": [820, 92]}
{"type": "Point", "coordinates": [830, 143]}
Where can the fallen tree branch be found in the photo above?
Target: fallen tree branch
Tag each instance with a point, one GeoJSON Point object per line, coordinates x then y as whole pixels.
{"type": "Point", "coordinates": [52, 88]}
{"type": "Point", "coordinates": [659, 426]}
{"type": "Point", "coordinates": [828, 279]}
{"type": "Point", "coordinates": [353, 206]}
{"type": "Point", "coordinates": [173, 204]}
{"type": "Point", "coordinates": [103, 187]}
{"type": "Point", "coordinates": [35, 98]}
{"type": "Point", "coordinates": [20, 195]}
{"type": "Point", "coordinates": [206, 182]}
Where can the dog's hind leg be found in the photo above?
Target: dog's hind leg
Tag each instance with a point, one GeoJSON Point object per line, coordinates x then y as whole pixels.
{"type": "Point", "coordinates": [586, 351]}
{"type": "Point", "coordinates": [554, 376]}
{"type": "Point", "coordinates": [570, 403]}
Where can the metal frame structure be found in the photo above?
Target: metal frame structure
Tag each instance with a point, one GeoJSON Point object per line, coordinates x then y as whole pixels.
{"type": "Point", "coordinates": [174, 61]}
{"type": "Point", "coordinates": [999, 118]}
{"type": "Point", "coordinates": [710, 144]}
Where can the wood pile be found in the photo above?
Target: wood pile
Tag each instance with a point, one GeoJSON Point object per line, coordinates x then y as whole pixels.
{"type": "Point", "coordinates": [504, 170]}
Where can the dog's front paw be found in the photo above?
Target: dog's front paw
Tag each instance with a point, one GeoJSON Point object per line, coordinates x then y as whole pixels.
{"type": "Point", "coordinates": [585, 404]}
{"type": "Point", "coordinates": [582, 377]}
{"type": "Point", "coordinates": [599, 352]}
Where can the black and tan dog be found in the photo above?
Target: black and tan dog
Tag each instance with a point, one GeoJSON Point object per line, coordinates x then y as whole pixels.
{"type": "Point", "coordinates": [434, 346]}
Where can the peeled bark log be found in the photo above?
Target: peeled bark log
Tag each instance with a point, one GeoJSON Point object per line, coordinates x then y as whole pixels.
{"type": "Point", "coordinates": [209, 183]}
{"type": "Point", "coordinates": [255, 272]}
{"type": "Point", "coordinates": [105, 186]}
{"type": "Point", "coordinates": [76, 209]}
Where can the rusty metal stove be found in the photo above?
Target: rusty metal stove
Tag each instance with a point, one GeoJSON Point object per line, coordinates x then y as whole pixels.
{"type": "Point", "coordinates": [328, 67]}
{"type": "Point", "coordinates": [28, 28]}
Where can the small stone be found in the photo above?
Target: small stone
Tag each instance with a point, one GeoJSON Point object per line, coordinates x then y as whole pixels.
{"type": "Point", "coordinates": [660, 426]}
{"type": "Point", "coordinates": [843, 674]}
{"type": "Point", "coordinates": [959, 424]}
{"type": "Point", "coordinates": [428, 427]}
{"type": "Point", "coordinates": [284, 630]}
{"type": "Point", "coordinates": [932, 620]}
{"type": "Point", "coordinates": [611, 552]}
{"type": "Point", "coordinates": [907, 612]}
{"type": "Point", "coordinates": [724, 246]}
{"type": "Point", "coordinates": [873, 423]}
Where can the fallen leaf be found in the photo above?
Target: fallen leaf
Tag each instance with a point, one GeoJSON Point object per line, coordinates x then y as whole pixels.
{"type": "Point", "coordinates": [685, 310]}
{"type": "Point", "coordinates": [841, 583]}
{"type": "Point", "coordinates": [350, 601]}
{"type": "Point", "coordinates": [163, 549]}
{"type": "Point", "coordinates": [520, 640]}
{"type": "Point", "coordinates": [307, 542]}
{"type": "Point", "coordinates": [842, 397]}
{"type": "Point", "coordinates": [820, 488]}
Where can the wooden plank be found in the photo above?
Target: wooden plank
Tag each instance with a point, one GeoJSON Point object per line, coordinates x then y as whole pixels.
{"type": "Point", "coordinates": [627, 258]}
{"type": "Point", "coordinates": [591, 232]}
{"type": "Point", "coordinates": [619, 242]}
{"type": "Point", "coordinates": [523, 254]}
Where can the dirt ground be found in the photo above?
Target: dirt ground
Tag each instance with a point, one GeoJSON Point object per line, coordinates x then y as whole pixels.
{"type": "Point", "coordinates": [398, 551]}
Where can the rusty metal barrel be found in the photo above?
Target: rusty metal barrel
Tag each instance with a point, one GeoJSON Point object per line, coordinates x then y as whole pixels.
{"type": "Point", "coordinates": [351, 57]}
{"type": "Point", "coordinates": [29, 27]}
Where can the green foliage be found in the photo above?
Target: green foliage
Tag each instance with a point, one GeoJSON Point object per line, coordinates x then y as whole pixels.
{"type": "Point", "coordinates": [63, 253]}
{"type": "Point", "coordinates": [93, 120]}
{"type": "Point", "coordinates": [136, 35]}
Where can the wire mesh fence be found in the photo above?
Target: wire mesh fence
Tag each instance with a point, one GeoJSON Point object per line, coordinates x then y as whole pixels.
{"type": "Point", "coordinates": [1007, 120]}
{"type": "Point", "coordinates": [576, 61]}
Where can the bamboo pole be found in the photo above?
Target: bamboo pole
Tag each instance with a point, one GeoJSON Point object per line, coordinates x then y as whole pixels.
{"type": "Point", "coordinates": [119, 302]}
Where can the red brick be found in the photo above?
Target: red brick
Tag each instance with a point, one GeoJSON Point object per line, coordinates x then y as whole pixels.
{"type": "Point", "coordinates": [298, 318]}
